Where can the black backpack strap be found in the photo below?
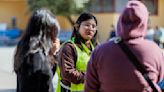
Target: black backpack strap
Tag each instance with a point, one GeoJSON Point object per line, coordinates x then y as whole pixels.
{"type": "Point", "coordinates": [135, 61]}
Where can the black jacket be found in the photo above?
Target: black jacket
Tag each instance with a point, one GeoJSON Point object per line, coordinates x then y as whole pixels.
{"type": "Point", "coordinates": [35, 74]}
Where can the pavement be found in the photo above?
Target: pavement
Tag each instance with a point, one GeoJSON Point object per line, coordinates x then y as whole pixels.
{"type": "Point", "coordinates": [7, 76]}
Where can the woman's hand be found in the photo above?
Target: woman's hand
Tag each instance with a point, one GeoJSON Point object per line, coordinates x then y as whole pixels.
{"type": "Point", "coordinates": [53, 52]}
{"type": "Point", "coordinates": [56, 46]}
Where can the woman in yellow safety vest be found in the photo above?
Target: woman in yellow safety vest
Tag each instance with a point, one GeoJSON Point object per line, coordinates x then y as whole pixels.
{"type": "Point", "coordinates": [75, 53]}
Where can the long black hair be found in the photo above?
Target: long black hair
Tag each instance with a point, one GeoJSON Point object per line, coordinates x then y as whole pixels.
{"type": "Point", "coordinates": [41, 30]}
{"type": "Point", "coordinates": [75, 34]}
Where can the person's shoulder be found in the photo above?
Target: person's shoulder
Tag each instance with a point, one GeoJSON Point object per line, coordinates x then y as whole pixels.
{"type": "Point", "coordinates": [104, 45]}
{"type": "Point", "coordinates": [149, 42]}
{"type": "Point", "coordinates": [67, 45]}
{"type": "Point", "coordinates": [150, 45]}
{"type": "Point", "coordinates": [35, 62]}
{"type": "Point", "coordinates": [39, 57]}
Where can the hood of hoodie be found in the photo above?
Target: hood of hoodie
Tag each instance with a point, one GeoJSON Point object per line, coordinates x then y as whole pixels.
{"type": "Point", "coordinates": [133, 21]}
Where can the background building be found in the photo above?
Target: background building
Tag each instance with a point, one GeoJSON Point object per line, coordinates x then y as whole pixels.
{"type": "Point", "coordinates": [106, 11]}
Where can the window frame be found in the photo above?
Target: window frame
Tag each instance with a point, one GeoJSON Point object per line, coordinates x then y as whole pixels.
{"type": "Point", "coordinates": [101, 5]}
{"type": "Point", "coordinates": [115, 10]}
{"type": "Point", "coordinates": [156, 5]}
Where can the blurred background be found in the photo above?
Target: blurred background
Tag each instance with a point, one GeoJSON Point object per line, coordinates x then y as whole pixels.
{"type": "Point", "coordinates": [14, 15]}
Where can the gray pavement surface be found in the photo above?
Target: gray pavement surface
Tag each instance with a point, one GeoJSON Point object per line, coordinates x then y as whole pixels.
{"type": "Point", "coordinates": [7, 76]}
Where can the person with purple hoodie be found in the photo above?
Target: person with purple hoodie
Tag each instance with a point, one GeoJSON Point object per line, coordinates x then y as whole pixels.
{"type": "Point", "coordinates": [109, 68]}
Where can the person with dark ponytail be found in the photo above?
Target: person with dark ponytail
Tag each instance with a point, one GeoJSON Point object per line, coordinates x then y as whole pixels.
{"type": "Point", "coordinates": [75, 53]}
{"type": "Point", "coordinates": [34, 60]}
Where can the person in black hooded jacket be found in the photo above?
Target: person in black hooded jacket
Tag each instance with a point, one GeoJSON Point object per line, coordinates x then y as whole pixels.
{"type": "Point", "coordinates": [34, 62]}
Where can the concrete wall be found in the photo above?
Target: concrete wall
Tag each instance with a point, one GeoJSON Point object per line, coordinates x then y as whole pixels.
{"type": "Point", "coordinates": [105, 21]}
{"type": "Point", "coordinates": [158, 19]}
{"type": "Point", "coordinates": [17, 8]}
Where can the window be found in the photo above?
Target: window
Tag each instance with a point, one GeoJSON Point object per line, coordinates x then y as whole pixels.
{"type": "Point", "coordinates": [99, 6]}
{"type": "Point", "coordinates": [152, 6]}
{"type": "Point", "coordinates": [120, 4]}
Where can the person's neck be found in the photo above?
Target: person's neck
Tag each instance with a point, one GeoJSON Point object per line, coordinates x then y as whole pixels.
{"type": "Point", "coordinates": [87, 43]}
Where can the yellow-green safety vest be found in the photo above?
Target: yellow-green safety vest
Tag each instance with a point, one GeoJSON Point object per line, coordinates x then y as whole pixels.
{"type": "Point", "coordinates": [81, 65]}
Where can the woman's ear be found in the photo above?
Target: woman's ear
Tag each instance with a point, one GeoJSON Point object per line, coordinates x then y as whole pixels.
{"type": "Point", "coordinates": [76, 26]}
{"type": "Point", "coordinates": [95, 33]}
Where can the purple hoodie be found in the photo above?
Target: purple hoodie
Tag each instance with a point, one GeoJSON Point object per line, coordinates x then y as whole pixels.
{"type": "Point", "coordinates": [109, 69]}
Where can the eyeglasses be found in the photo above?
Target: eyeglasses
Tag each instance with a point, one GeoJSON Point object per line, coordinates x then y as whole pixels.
{"type": "Point", "coordinates": [89, 26]}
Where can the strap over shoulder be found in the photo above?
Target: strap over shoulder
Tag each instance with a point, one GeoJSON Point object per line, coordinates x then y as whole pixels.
{"type": "Point", "coordinates": [134, 60]}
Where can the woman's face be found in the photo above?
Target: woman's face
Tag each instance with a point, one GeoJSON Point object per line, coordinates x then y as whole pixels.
{"type": "Point", "coordinates": [87, 29]}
